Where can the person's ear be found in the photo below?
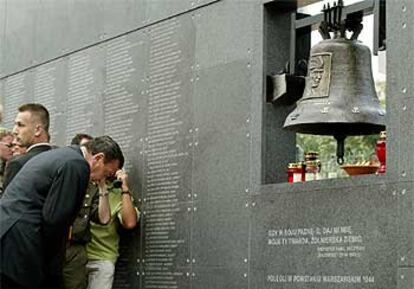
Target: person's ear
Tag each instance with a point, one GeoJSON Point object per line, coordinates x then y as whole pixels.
{"type": "Point", "coordinates": [99, 156]}
{"type": "Point", "coordinates": [38, 130]}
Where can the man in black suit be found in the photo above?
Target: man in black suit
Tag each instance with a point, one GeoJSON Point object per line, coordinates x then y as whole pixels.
{"type": "Point", "coordinates": [39, 205]}
{"type": "Point", "coordinates": [31, 130]}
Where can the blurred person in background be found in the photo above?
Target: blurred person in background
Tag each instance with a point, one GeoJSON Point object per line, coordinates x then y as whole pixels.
{"type": "Point", "coordinates": [6, 138]}
{"type": "Point", "coordinates": [17, 148]}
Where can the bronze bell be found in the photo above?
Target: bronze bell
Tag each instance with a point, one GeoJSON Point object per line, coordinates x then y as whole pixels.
{"type": "Point", "coordinates": [339, 97]}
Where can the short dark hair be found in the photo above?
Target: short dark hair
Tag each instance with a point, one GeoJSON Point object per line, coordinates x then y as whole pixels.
{"type": "Point", "coordinates": [105, 144]}
{"type": "Point", "coordinates": [38, 110]}
{"type": "Point", "coordinates": [78, 137]}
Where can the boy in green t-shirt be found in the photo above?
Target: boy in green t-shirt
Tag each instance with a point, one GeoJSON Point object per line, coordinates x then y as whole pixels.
{"type": "Point", "coordinates": [102, 250]}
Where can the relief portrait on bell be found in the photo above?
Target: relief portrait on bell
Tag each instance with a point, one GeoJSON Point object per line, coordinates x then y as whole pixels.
{"type": "Point", "coordinates": [319, 75]}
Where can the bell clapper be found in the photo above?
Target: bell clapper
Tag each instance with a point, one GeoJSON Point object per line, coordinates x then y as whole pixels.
{"type": "Point", "coordinates": [340, 148]}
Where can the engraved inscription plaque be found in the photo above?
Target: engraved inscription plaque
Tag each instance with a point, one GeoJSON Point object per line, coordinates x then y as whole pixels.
{"type": "Point", "coordinates": [342, 239]}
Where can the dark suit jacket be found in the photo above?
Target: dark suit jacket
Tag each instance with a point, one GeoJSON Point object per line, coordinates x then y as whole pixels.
{"type": "Point", "coordinates": [36, 211]}
{"type": "Point", "coordinates": [16, 163]}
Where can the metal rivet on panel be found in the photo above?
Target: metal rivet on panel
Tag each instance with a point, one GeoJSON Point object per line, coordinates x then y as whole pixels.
{"type": "Point", "coordinates": [248, 65]}
{"type": "Point", "coordinates": [403, 192]}
{"type": "Point", "coordinates": [247, 135]}
{"type": "Point", "coordinates": [403, 258]}
{"type": "Point", "coordinates": [195, 209]}
{"type": "Point", "coordinates": [189, 195]}
{"type": "Point", "coordinates": [404, 108]}
{"type": "Point", "coordinates": [248, 120]}
{"type": "Point", "coordinates": [246, 190]}
{"type": "Point", "coordinates": [404, 8]}
{"type": "Point", "coordinates": [188, 273]}
{"type": "Point", "coordinates": [193, 274]}
{"type": "Point", "coordinates": [138, 260]}
{"type": "Point", "coordinates": [254, 204]}
{"type": "Point", "coordinates": [137, 273]}
{"type": "Point", "coordinates": [187, 260]}
{"type": "Point", "coordinates": [195, 195]}
{"type": "Point", "coordinates": [190, 130]}
{"type": "Point", "coordinates": [404, 25]}
{"type": "Point", "coordinates": [193, 260]}
{"type": "Point", "coordinates": [246, 205]}
{"type": "Point", "coordinates": [188, 209]}
{"type": "Point", "coordinates": [394, 193]}
{"type": "Point", "coordinates": [245, 260]}
{"type": "Point", "coordinates": [404, 90]}
{"type": "Point", "coordinates": [403, 174]}
{"type": "Point", "coordinates": [196, 129]}
{"type": "Point", "coordinates": [402, 276]}
{"type": "Point", "coordinates": [143, 273]}
{"type": "Point", "coordinates": [245, 275]}
{"type": "Point", "coordinates": [190, 144]}
{"type": "Point", "coordinates": [144, 212]}
{"type": "Point", "coordinates": [196, 143]}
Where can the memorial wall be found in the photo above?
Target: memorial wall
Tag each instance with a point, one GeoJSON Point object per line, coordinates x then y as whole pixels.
{"type": "Point", "coordinates": [181, 86]}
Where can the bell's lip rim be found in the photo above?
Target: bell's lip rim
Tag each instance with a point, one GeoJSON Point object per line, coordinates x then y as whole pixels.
{"type": "Point", "coordinates": [335, 128]}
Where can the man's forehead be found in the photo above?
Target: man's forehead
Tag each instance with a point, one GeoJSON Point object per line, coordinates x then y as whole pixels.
{"type": "Point", "coordinates": [23, 115]}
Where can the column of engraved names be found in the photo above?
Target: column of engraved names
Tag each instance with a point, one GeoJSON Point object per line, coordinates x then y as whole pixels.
{"type": "Point", "coordinates": [45, 93]}
{"type": "Point", "coordinates": [119, 104]}
{"type": "Point", "coordinates": [164, 154]}
{"type": "Point", "coordinates": [79, 97]}
{"type": "Point", "coordinates": [14, 93]}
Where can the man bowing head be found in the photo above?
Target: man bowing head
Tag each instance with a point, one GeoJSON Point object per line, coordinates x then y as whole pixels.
{"type": "Point", "coordinates": [41, 203]}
